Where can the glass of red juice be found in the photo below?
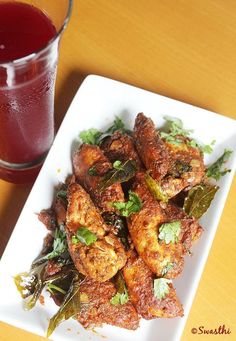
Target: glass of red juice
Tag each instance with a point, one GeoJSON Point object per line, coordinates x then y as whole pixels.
{"type": "Point", "coordinates": [30, 33]}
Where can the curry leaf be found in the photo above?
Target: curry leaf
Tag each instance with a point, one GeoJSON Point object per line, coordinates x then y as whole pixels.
{"type": "Point", "coordinates": [30, 285]}
{"type": "Point", "coordinates": [119, 225]}
{"type": "Point", "coordinates": [199, 199]}
{"type": "Point", "coordinates": [169, 232]}
{"type": "Point", "coordinates": [155, 188]}
{"type": "Point", "coordinates": [161, 287]}
{"type": "Point", "coordinates": [70, 306]}
{"type": "Point", "coordinates": [124, 173]}
{"type": "Point", "coordinates": [214, 171]}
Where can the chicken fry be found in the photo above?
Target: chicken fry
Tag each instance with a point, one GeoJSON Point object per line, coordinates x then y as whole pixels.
{"type": "Point", "coordinates": [97, 309]}
{"type": "Point", "coordinates": [175, 166]}
{"type": "Point", "coordinates": [165, 258]}
{"type": "Point", "coordinates": [139, 280]}
{"type": "Point", "coordinates": [103, 258]}
{"type": "Point", "coordinates": [90, 164]}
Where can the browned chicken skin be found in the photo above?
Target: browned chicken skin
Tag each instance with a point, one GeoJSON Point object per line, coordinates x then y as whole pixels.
{"type": "Point", "coordinates": [96, 308]}
{"type": "Point", "coordinates": [102, 259]}
{"type": "Point", "coordinates": [144, 230]}
{"type": "Point", "coordinates": [92, 157]}
{"type": "Point", "coordinates": [139, 281]}
{"type": "Point", "coordinates": [175, 167]}
{"type": "Point", "coordinates": [151, 148]}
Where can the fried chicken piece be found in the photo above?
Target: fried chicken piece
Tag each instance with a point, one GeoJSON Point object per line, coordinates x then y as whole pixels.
{"type": "Point", "coordinates": [96, 308]}
{"type": "Point", "coordinates": [121, 147]}
{"type": "Point", "coordinates": [191, 230]}
{"type": "Point", "coordinates": [165, 260]}
{"type": "Point", "coordinates": [90, 157]}
{"type": "Point", "coordinates": [151, 148]}
{"type": "Point", "coordinates": [174, 166]}
{"type": "Point", "coordinates": [187, 168]}
{"type": "Point", "coordinates": [139, 281]}
{"type": "Point", "coordinates": [102, 259]}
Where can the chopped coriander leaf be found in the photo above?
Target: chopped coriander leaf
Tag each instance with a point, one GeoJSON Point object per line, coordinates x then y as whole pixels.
{"type": "Point", "coordinates": [117, 165]}
{"type": "Point", "coordinates": [215, 170]}
{"type": "Point", "coordinates": [90, 136]}
{"type": "Point", "coordinates": [84, 236]}
{"type": "Point", "coordinates": [134, 204]}
{"type": "Point", "coordinates": [120, 298]}
{"type": "Point", "coordinates": [171, 139]}
{"type": "Point", "coordinates": [62, 194]}
{"type": "Point", "coordinates": [161, 287]}
{"type": "Point", "coordinates": [118, 124]}
{"type": "Point", "coordinates": [176, 127]}
{"type": "Point", "coordinates": [92, 171]}
{"type": "Point", "coordinates": [169, 232]}
{"type": "Point", "coordinates": [52, 287]}
{"type": "Point", "coordinates": [59, 245]}
{"type": "Point", "coordinates": [204, 148]}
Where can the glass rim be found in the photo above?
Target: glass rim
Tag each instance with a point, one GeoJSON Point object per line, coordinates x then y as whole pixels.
{"type": "Point", "coordinates": [49, 43]}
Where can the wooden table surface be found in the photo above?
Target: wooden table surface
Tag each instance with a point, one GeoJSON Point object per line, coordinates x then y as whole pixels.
{"type": "Point", "coordinates": [184, 49]}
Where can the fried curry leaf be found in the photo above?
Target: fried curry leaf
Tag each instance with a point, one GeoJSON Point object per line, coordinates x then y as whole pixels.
{"type": "Point", "coordinates": [124, 173]}
{"type": "Point", "coordinates": [215, 170]}
{"type": "Point", "coordinates": [122, 296]}
{"type": "Point", "coordinates": [169, 232]}
{"type": "Point", "coordinates": [90, 136]}
{"type": "Point", "coordinates": [52, 288]}
{"type": "Point", "coordinates": [84, 236]}
{"type": "Point", "coordinates": [30, 285]}
{"type": "Point", "coordinates": [161, 287]}
{"type": "Point", "coordinates": [134, 204]}
{"type": "Point", "coordinates": [199, 199]}
{"type": "Point", "coordinates": [119, 225]}
{"type": "Point", "coordinates": [70, 306]}
{"type": "Point", "coordinates": [155, 188]}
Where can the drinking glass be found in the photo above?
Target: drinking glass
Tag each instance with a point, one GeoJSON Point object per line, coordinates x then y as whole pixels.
{"type": "Point", "coordinates": [27, 86]}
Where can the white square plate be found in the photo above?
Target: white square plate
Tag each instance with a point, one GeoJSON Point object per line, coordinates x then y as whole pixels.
{"type": "Point", "coordinates": [96, 104]}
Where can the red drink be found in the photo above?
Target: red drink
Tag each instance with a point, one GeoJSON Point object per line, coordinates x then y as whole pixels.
{"type": "Point", "coordinates": [26, 90]}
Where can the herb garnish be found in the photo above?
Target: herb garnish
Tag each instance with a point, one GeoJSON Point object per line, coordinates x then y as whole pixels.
{"type": "Point", "coordinates": [118, 165]}
{"type": "Point", "coordinates": [161, 287]}
{"type": "Point", "coordinates": [70, 306]}
{"type": "Point", "coordinates": [214, 171]}
{"type": "Point", "coordinates": [169, 232]}
{"type": "Point", "coordinates": [199, 199]}
{"type": "Point", "coordinates": [59, 246]}
{"type": "Point", "coordinates": [124, 173]}
{"type": "Point", "coordinates": [90, 136]}
{"type": "Point", "coordinates": [155, 188]}
{"type": "Point", "coordinates": [134, 204]}
{"type": "Point", "coordinates": [84, 236]}
{"type": "Point", "coordinates": [176, 129]}
{"type": "Point", "coordinates": [92, 171]}
{"type": "Point", "coordinates": [118, 124]}
{"type": "Point", "coordinates": [52, 287]}
{"type": "Point", "coordinates": [122, 296]}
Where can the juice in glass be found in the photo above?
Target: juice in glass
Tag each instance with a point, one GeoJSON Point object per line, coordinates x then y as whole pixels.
{"type": "Point", "coordinates": [28, 59]}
